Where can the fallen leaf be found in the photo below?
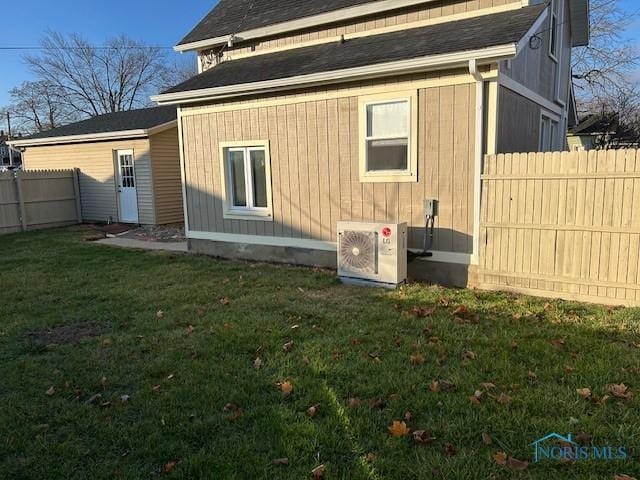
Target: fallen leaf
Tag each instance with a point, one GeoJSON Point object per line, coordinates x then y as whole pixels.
{"type": "Point", "coordinates": [103, 381]}
{"type": "Point", "coordinates": [504, 399]}
{"type": "Point", "coordinates": [156, 388]}
{"type": "Point", "coordinates": [169, 467]}
{"type": "Point", "coordinates": [159, 314]}
{"type": "Point", "coordinates": [434, 386]}
{"type": "Point", "coordinates": [583, 438]}
{"type": "Point", "coordinates": [408, 416]}
{"type": "Point", "coordinates": [287, 347]}
{"type": "Point", "coordinates": [443, 301]}
{"type": "Point", "coordinates": [312, 411]}
{"type": "Point", "coordinates": [531, 375]}
{"type": "Point", "coordinates": [422, 312]}
{"type": "Point", "coordinates": [486, 439]}
{"type": "Point", "coordinates": [476, 397]}
{"type": "Point", "coordinates": [353, 402]}
{"type": "Point", "coordinates": [569, 369]}
{"type": "Point", "coordinates": [200, 312]}
{"type": "Point", "coordinates": [107, 342]}
{"type": "Point", "coordinates": [257, 363]}
{"type": "Point", "coordinates": [421, 436]}
{"type": "Point", "coordinates": [462, 310]}
{"type": "Point", "coordinates": [518, 465]}
{"type": "Point", "coordinates": [398, 429]}
{"type": "Point", "coordinates": [500, 458]}
{"type": "Point", "coordinates": [377, 403]}
{"type": "Point", "coordinates": [584, 392]}
{"type": "Point", "coordinates": [318, 472]}
{"type": "Point", "coordinates": [370, 457]}
{"type": "Point", "coordinates": [225, 301]}
{"type": "Point", "coordinates": [356, 341]}
{"type": "Point", "coordinates": [190, 329]}
{"type": "Point", "coordinates": [375, 356]}
{"type": "Point", "coordinates": [235, 416]}
{"type": "Point", "coordinates": [417, 359]}
{"type": "Point", "coordinates": [487, 385]}
{"type": "Point", "coordinates": [171, 377]}
{"type": "Point", "coordinates": [446, 386]}
{"type": "Point", "coordinates": [468, 355]}
{"type": "Point", "coordinates": [230, 407]}
{"type": "Point", "coordinates": [449, 449]}
{"type": "Point", "coordinates": [124, 398]}
{"type": "Point", "coordinates": [558, 342]}
{"type": "Point", "coordinates": [286, 388]}
{"type": "Point", "coordinates": [295, 327]}
{"type": "Point", "coordinates": [280, 461]}
{"type": "Point", "coordinates": [95, 399]}
{"type": "Point", "coordinates": [620, 391]}
{"type": "Point", "coordinates": [622, 476]}
{"type": "Point", "coordinates": [513, 345]}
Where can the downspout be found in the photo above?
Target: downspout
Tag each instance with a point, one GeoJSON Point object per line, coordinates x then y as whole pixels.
{"type": "Point", "coordinates": [479, 151]}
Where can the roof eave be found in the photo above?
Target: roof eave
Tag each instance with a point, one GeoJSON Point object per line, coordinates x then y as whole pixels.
{"type": "Point", "coordinates": [93, 137]}
{"type": "Point", "coordinates": [421, 64]}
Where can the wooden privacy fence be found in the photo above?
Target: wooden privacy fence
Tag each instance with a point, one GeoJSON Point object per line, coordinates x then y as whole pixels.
{"type": "Point", "coordinates": [32, 200]}
{"type": "Point", "coordinates": [562, 225]}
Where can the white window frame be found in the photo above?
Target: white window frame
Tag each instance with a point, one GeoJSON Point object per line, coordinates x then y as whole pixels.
{"type": "Point", "coordinates": [249, 212]}
{"type": "Point", "coordinates": [554, 30]}
{"type": "Point", "coordinates": [548, 122]}
{"type": "Point", "coordinates": [409, 175]}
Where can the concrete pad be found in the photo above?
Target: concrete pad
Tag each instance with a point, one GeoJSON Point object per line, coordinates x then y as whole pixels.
{"type": "Point", "coordinates": [179, 247]}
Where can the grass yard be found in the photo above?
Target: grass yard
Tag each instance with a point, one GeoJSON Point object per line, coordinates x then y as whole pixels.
{"type": "Point", "coordinates": [123, 364]}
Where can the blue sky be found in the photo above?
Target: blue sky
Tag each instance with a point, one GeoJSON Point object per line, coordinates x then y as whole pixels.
{"type": "Point", "coordinates": [157, 22]}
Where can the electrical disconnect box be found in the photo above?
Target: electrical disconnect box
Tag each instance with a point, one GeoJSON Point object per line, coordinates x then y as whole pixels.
{"type": "Point", "coordinates": [431, 207]}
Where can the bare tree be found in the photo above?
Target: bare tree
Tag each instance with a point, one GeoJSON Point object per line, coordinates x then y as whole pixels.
{"type": "Point", "coordinates": [121, 75]}
{"type": "Point", "coordinates": [602, 69]}
{"type": "Point", "coordinates": [38, 106]}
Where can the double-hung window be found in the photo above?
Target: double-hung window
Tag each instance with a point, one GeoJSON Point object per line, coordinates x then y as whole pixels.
{"type": "Point", "coordinates": [388, 138]}
{"type": "Point", "coordinates": [246, 182]}
{"type": "Point", "coordinates": [549, 134]}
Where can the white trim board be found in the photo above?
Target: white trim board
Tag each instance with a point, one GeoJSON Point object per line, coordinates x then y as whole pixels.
{"type": "Point", "coordinates": [508, 82]}
{"type": "Point", "coordinates": [94, 137]}
{"type": "Point", "coordinates": [302, 23]}
{"type": "Point", "coordinates": [438, 256]}
{"type": "Point", "coordinates": [483, 56]}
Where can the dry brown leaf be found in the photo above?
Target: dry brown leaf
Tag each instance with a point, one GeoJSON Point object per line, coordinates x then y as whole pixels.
{"type": "Point", "coordinates": [51, 391]}
{"type": "Point", "coordinates": [422, 312]}
{"type": "Point", "coordinates": [434, 386]}
{"type": "Point", "coordinates": [504, 399]}
{"type": "Point", "coordinates": [443, 301]}
{"type": "Point", "coordinates": [318, 472]}
{"type": "Point", "coordinates": [190, 329]}
{"type": "Point", "coordinates": [584, 392]}
{"type": "Point", "coordinates": [312, 411]}
{"type": "Point", "coordinates": [107, 342]}
{"type": "Point", "coordinates": [417, 359]}
{"type": "Point", "coordinates": [500, 458]}
{"type": "Point", "coordinates": [620, 391]}
{"type": "Point", "coordinates": [200, 312]}
{"type": "Point", "coordinates": [531, 375]}
{"type": "Point", "coordinates": [159, 314]}
{"type": "Point", "coordinates": [408, 415]}
{"type": "Point", "coordinates": [398, 429]}
{"type": "Point", "coordinates": [353, 402]}
{"type": "Point", "coordinates": [287, 347]}
{"type": "Point", "coordinates": [421, 436]}
{"type": "Point", "coordinates": [280, 461]}
{"type": "Point", "coordinates": [462, 310]}
{"type": "Point", "coordinates": [230, 407]}
{"type": "Point", "coordinates": [95, 399]}
{"type": "Point", "coordinates": [370, 457]}
{"type": "Point", "coordinates": [569, 369]}
{"type": "Point", "coordinates": [486, 439]}
{"type": "Point", "coordinates": [558, 342]}
{"type": "Point", "coordinates": [286, 388]}
{"type": "Point", "coordinates": [225, 301]}
{"type": "Point", "coordinates": [468, 355]}
{"type": "Point", "coordinates": [622, 476]}
{"type": "Point", "coordinates": [476, 397]}
{"type": "Point", "coordinates": [447, 386]}
{"type": "Point", "coordinates": [449, 449]}
{"type": "Point", "coordinates": [487, 385]}
{"type": "Point", "coordinates": [257, 363]}
{"type": "Point", "coordinates": [518, 465]}
{"type": "Point", "coordinates": [169, 467]}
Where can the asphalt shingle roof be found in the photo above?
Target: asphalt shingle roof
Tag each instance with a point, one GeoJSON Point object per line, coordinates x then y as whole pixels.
{"type": "Point", "coordinates": [231, 16]}
{"type": "Point", "coordinates": [141, 119]}
{"type": "Point", "coordinates": [470, 34]}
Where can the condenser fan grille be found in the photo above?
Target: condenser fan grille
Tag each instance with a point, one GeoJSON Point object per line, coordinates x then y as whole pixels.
{"type": "Point", "coordinates": [358, 251]}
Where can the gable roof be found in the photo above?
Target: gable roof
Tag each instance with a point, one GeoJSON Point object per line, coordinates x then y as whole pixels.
{"type": "Point", "coordinates": [429, 43]}
{"type": "Point", "coordinates": [121, 124]}
{"type": "Point", "coordinates": [259, 18]}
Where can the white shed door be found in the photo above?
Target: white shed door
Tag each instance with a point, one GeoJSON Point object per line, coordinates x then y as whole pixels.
{"type": "Point", "coordinates": [128, 198]}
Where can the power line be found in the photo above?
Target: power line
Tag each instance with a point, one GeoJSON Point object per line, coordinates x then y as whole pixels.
{"type": "Point", "coordinates": [123, 47]}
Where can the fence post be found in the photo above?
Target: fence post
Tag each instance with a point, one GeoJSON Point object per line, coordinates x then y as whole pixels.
{"type": "Point", "coordinates": [76, 189]}
{"type": "Point", "coordinates": [23, 214]}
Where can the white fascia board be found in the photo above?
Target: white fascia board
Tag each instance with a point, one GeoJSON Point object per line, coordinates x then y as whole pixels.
{"type": "Point", "coordinates": [302, 23]}
{"type": "Point", "coordinates": [535, 28]}
{"type": "Point", "coordinates": [95, 137]}
{"type": "Point", "coordinates": [434, 62]}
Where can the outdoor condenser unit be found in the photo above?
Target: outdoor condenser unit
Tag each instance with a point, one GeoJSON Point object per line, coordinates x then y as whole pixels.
{"type": "Point", "coordinates": [372, 252]}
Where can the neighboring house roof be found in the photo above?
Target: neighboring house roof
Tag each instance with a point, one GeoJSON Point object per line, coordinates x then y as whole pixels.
{"type": "Point", "coordinates": [596, 124]}
{"type": "Point", "coordinates": [505, 29]}
{"type": "Point", "coordinates": [132, 123]}
{"type": "Point", "coordinates": [255, 18]}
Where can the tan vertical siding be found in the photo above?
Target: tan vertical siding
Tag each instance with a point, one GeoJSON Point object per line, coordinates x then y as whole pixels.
{"type": "Point", "coordinates": [167, 185]}
{"type": "Point", "coordinates": [97, 170]}
{"type": "Point", "coordinates": [314, 148]}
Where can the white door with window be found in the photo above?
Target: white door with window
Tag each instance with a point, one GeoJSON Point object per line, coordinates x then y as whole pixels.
{"type": "Point", "coordinates": [127, 195]}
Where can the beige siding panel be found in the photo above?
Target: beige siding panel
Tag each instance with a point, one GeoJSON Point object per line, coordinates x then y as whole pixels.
{"type": "Point", "coordinates": [97, 170]}
{"type": "Point", "coordinates": [165, 160]}
{"type": "Point", "coordinates": [314, 147]}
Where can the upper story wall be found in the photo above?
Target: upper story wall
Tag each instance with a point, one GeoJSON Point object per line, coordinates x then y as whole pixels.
{"type": "Point", "coordinates": [407, 16]}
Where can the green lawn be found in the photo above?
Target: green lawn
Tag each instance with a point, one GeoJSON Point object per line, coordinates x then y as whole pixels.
{"type": "Point", "coordinates": [178, 336]}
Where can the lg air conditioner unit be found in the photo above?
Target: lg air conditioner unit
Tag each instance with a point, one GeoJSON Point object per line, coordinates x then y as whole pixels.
{"type": "Point", "coordinates": [372, 252]}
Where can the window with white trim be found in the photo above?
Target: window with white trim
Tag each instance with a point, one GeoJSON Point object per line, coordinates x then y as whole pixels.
{"type": "Point", "coordinates": [549, 134]}
{"type": "Point", "coordinates": [554, 30]}
{"type": "Point", "coordinates": [388, 138]}
{"type": "Point", "coordinates": [246, 172]}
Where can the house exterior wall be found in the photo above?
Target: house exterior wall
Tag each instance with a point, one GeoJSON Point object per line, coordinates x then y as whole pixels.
{"type": "Point", "coordinates": [167, 185]}
{"type": "Point", "coordinates": [519, 127]}
{"type": "Point", "coordinates": [97, 170]}
{"type": "Point", "coordinates": [314, 148]}
{"type": "Point", "coordinates": [416, 13]}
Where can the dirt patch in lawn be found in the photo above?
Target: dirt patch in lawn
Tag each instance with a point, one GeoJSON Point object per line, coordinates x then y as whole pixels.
{"type": "Point", "coordinates": [67, 334]}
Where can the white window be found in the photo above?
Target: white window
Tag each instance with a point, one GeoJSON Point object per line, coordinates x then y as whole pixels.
{"type": "Point", "coordinates": [388, 126]}
{"type": "Point", "coordinates": [246, 170]}
{"type": "Point", "coordinates": [549, 134]}
{"type": "Point", "coordinates": [554, 32]}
